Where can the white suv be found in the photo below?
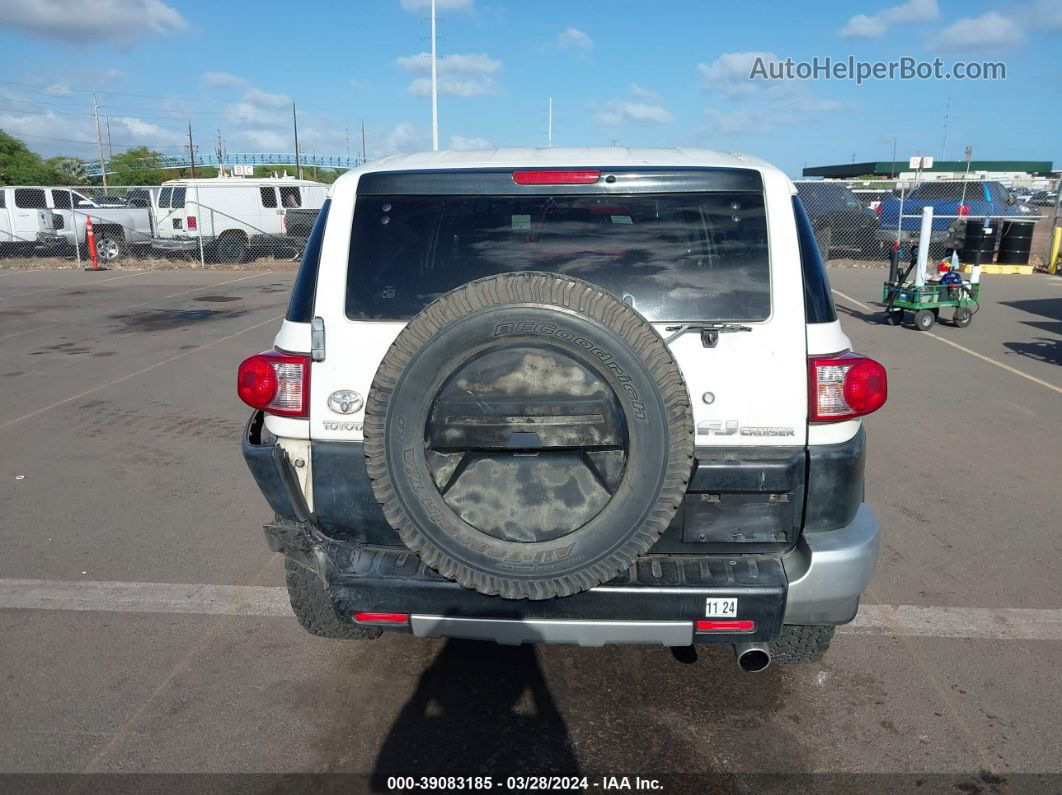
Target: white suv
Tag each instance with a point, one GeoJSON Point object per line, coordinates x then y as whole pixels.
{"type": "Point", "coordinates": [577, 396]}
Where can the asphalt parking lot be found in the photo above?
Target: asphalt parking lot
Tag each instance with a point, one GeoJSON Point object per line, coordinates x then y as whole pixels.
{"type": "Point", "coordinates": [121, 466]}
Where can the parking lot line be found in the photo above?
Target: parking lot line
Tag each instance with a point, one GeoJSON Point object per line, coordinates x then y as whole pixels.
{"type": "Point", "coordinates": [141, 371]}
{"type": "Point", "coordinates": [258, 600]}
{"type": "Point", "coordinates": [67, 287]}
{"type": "Point", "coordinates": [964, 349]}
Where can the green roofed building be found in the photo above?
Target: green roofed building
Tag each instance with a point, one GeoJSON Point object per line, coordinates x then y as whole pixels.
{"type": "Point", "coordinates": [1001, 169]}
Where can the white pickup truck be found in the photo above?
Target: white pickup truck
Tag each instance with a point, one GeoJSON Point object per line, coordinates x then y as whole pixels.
{"type": "Point", "coordinates": [25, 225]}
{"type": "Point", "coordinates": [117, 226]}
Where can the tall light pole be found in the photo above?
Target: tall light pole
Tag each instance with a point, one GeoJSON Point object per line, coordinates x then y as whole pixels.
{"type": "Point", "coordinates": [99, 141]}
{"type": "Point", "coordinates": [434, 87]}
{"type": "Point", "coordinates": [549, 124]}
{"type": "Point", "coordinates": [295, 124]}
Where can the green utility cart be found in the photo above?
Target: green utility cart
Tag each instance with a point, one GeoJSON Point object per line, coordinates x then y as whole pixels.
{"type": "Point", "coordinates": [925, 302]}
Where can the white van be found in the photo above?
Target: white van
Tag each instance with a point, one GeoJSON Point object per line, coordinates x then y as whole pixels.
{"type": "Point", "coordinates": [230, 215]}
{"type": "Point", "coordinates": [26, 222]}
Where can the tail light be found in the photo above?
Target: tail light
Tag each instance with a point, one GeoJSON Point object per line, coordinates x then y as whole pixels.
{"type": "Point", "coordinates": [192, 224]}
{"type": "Point", "coordinates": [276, 382]}
{"type": "Point", "coordinates": [580, 177]}
{"type": "Point", "coordinates": [877, 210]}
{"type": "Point", "coordinates": [844, 387]}
{"type": "Point", "coordinates": [964, 210]}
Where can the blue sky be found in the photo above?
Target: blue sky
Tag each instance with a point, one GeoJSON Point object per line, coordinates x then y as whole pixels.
{"type": "Point", "coordinates": [632, 73]}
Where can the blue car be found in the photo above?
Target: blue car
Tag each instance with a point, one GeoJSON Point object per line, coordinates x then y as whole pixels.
{"type": "Point", "coordinates": [951, 201]}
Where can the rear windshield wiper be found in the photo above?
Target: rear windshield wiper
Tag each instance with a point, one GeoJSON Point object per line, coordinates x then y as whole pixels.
{"type": "Point", "coordinates": [709, 331]}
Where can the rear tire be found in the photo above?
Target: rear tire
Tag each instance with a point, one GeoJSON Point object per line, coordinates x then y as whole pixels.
{"type": "Point", "coordinates": [110, 245]}
{"type": "Point", "coordinates": [314, 609]}
{"type": "Point", "coordinates": [801, 644]}
{"type": "Point", "coordinates": [962, 317]}
{"type": "Point", "coordinates": [231, 248]}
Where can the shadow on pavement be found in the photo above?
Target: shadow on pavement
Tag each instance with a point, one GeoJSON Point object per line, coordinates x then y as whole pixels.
{"type": "Point", "coordinates": [1045, 307]}
{"type": "Point", "coordinates": [478, 709]}
{"type": "Point", "coordinates": [1041, 349]}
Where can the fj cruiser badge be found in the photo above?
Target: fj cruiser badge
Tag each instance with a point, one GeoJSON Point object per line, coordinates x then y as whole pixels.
{"type": "Point", "coordinates": [345, 401]}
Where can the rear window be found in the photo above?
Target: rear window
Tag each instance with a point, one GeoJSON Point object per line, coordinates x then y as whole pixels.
{"type": "Point", "coordinates": [269, 197]}
{"type": "Point", "coordinates": [3, 198]}
{"type": "Point", "coordinates": [61, 200]}
{"type": "Point", "coordinates": [164, 197]}
{"type": "Point", "coordinates": [818, 300]}
{"type": "Point", "coordinates": [300, 308]}
{"type": "Point", "coordinates": [685, 256]}
{"type": "Point", "coordinates": [172, 198]}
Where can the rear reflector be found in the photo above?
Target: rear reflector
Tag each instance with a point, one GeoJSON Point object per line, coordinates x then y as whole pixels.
{"type": "Point", "coordinates": [844, 387]}
{"type": "Point", "coordinates": [192, 223]}
{"type": "Point", "coordinates": [390, 619]}
{"type": "Point", "coordinates": [556, 177]}
{"type": "Point", "coordinates": [739, 625]}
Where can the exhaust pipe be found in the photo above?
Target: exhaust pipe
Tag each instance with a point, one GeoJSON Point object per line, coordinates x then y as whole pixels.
{"type": "Point", "coordinates": [752, 657]}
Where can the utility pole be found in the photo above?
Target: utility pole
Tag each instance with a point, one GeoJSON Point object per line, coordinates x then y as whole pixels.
{"type": "Point", "coordinates": [191, 150]}
{"type": "Point", "coordinates": [99, 140]}
{"type": "Point", "coordinates": [944, 146]}
{"type": "Point", "coordinates": [219, 149]}
{"type": "Point", "coordinates": [363, 142]}
{"type": "Point", "coordinates": [110, 149]}
{"type": "Point", "coordinates": [434, 87]}
{"type": "Point", "coordinates": [295, 123]}
{"type": "Point", "coordinates": [892, 169]}
{"type": "Point", "coordinates": [549, 124]}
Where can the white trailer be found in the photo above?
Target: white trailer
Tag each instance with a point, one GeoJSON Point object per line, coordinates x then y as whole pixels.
{"type": "Point", "coordinates": [229, 215]}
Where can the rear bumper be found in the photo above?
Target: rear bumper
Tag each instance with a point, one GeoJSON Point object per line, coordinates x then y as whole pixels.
{"type": "Point", "coordinates": [175, 243]}
{"type": "Point", "coordinates": [657, 601]}
{"type": "Point", "coordinates": [49, 239]}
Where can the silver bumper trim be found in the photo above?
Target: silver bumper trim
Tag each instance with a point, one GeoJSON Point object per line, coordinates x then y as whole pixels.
{"type": "Point", "coordinates": [510, 632]}
{"type": "Point", "coordinates": [828, 571]}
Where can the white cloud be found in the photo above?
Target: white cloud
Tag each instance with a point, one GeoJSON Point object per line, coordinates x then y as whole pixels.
{"type": "Point", "coordinates": [440, 5]}
{"type": "Point", "coordinates": [404, 138]}
{"type": "Point", "coordinates": [258, 97]}
{"type": "Point", "coordinates": [638, 92]}
{"type": "Point", "coordinates": [623, 112]}
{"type": "Point", "coordinates": [729, 73]}
{"type": "Point", "coordinates": [460, 75]}
{"type": "Point", "coordinates": [88, 21]}
{"type": "Point", "coordinates": [144, 129]}
{"type": "Point", "coordinates": [59, 89]}
{"type": "Point", "coordinates": [574, 39]}
{"type": "Point", "coordinates": [863, 26]}
{"type": "Point", "coordinates": [463, 142]}
{"type": "Point", "coordinates": [991, 31]}
{"type": "Point", "coordinates": [222, 79]}
{"type": "Point", "coordinates": [877, 24]}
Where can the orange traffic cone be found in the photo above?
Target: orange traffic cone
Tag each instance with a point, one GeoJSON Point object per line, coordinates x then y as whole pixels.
{"type": "Point", "coordinates": [90, 242]}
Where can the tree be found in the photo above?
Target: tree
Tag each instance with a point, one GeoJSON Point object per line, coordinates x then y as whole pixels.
{"type": "Point", "coordinates": [18, 165]}
{"type": "Point", "coordinates": [66, 170]}
{"type": "Point", "coordinates": [136, 166]}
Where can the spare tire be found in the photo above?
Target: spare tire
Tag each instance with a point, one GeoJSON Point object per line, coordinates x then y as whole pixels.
{"type": "Point", "coordinates": [529, 435]}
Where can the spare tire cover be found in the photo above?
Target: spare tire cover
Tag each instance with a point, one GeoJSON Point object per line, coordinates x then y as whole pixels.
{"type": "Point", "coordinates": [529, 435]}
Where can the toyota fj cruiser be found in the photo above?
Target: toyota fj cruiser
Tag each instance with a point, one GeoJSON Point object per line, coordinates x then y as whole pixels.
{"type": "Point", "coordinates": [568, 396]}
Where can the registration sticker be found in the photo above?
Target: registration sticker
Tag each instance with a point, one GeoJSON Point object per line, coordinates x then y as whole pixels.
{"type": "Point", "coordinates": [721, 608]}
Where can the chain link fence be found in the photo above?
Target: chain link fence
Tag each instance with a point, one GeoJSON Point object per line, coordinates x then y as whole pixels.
{"type": "Point", "coordinates": [186, 223]}
{"type": "Point", "coordinates": [232, 221]}
{"type": "Point", "coordinates": [861, 221]}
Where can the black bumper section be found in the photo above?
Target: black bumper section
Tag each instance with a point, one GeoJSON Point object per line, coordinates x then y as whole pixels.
{"type": "Point", "coordinates": [366, 569]}
{"type": "Point", "coordinates": [387, 580]}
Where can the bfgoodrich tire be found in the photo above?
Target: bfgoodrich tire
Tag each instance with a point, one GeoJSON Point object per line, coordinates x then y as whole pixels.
{"type": "Point", "coordinates": [801, 644]}
{"type": "Point", "coordinates": [314, 609]}
{"type": "Point", "coordinates": [529, 435]}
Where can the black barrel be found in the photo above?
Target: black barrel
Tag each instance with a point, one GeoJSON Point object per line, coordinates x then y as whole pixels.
{"type": "Point", "coordinates": [977, 241]}
{"type": "Point", "coordinates": [1015, 243]}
